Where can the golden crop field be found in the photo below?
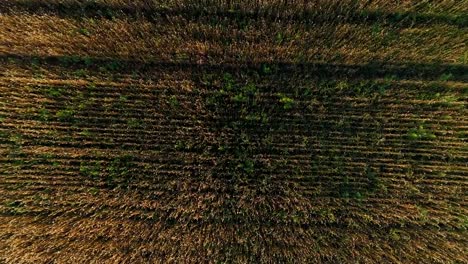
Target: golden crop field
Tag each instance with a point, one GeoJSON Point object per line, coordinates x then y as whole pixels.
{"type": "Point", "coordinates": [223, 131]}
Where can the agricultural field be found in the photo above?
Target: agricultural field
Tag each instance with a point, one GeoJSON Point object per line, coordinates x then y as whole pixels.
{"type": "Point", "coordinates": [221, 131]}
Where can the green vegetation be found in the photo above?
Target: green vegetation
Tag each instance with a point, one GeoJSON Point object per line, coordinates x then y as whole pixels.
{"type": "Point", "coordinates": [119, 171]}
{"type": "Point", "coordinates": [115, 173]}
{"type": "Point", "coordinates": [84, 32]}
{"type": "Point", "coordinates": [44, 114]}
{"type": "Point", "coordinates": [65, 115]}
{"type": "Point", "coordinates": [15, 207]}
{"type": "Point", "coordinates": [91, 169]}
{"type": "Point", "coordinates": [133, 123]}
{"type": "Point", "coordinates": [420, 133]}
{"type": "Point", "coordinates": [287, 102]}
{"type": "Point", "coordinates": [173, 101]}
{"type": "Point", "coordinates": [54, 92]}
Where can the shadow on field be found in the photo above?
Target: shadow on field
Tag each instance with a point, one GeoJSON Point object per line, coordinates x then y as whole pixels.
{"type": "Point", "coordinates": [243, 121]}
{"type": "Point", "coordinates": [377, 69]}
{"type": "Point", "coordinates": [273, 12]}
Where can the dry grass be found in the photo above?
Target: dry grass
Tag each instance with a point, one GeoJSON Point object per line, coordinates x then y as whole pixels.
{"type": "Point", "coordinates": [225, 132]}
